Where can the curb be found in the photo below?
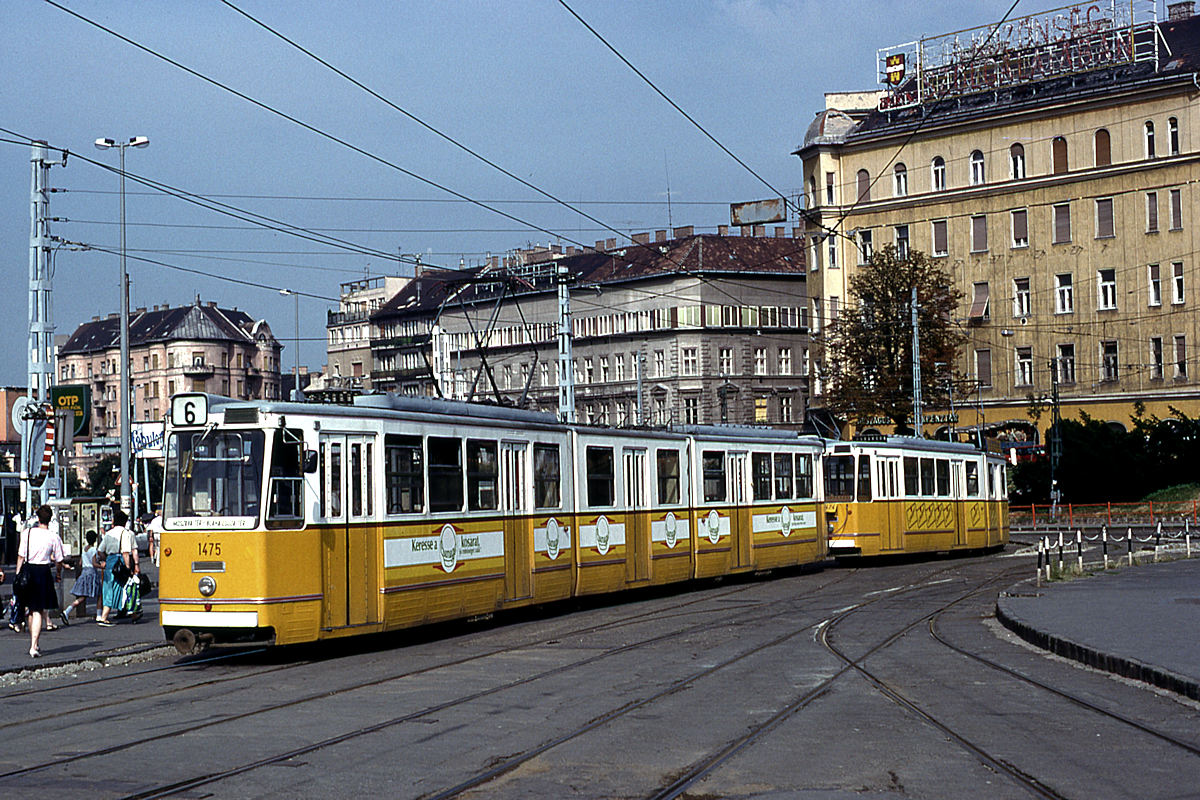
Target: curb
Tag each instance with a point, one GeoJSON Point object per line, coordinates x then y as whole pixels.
{"type": "Point", "coordinates": [106, 658]}
{"type": "Point", "coordinates": [1085, 654]}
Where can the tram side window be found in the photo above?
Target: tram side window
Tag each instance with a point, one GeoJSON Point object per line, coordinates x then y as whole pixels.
{"type": "Point", "coordinates": [714, 476]}
{"type": "Point", "coordinates": [667, 462]}
{"type": "Point", "coordinates": [839, 477]}
{"type": "Point", "coordinates": [912, 476]}
{"type": "Point", "coordinates": [445, 473]}
{"type": "Point", "coordinates": [287, 476]}
{"type": "Point", "coordinates": [927, 484]}
{"type": "Point", "coordinates": [762, 476]}
{"type": "Point", "coordinates": [404, 474]}
{"type": "Point", "coordinates": [943, 477]}
{"type": "Point", "coordinates": [601, 484]}
{"type": "Point", "coordinates": [804, 475]}
{"type": "Point", "coordinates": [547, 477]}
{"type": "Point", "coordinates": [783, 476]}
{"type": "Point", "coordinates": [864, 478]}
{"type": "Point", "coordinates": [481, 475]}
{"type": "Point", "coordinates": [972, 479]}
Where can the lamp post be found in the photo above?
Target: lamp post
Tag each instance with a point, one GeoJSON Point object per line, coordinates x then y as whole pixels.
{"type": "Point", "coordinates": [296, 365]}
{"type": "Point", "coordinates": [126, 433]}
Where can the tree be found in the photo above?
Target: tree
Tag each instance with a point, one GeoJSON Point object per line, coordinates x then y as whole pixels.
{"type": "Point", "coordinates": [102, 477]}
{"type": "Point", "coordinates": [866, 353]}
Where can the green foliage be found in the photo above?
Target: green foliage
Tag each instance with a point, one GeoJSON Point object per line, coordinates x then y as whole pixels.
{"type": "Point", "coordinates": [1183, 491]}
{"type": "Point", "coordinates": [102, 478]}
{"type": "Point", "coordinates": [1102, 463]}
{"type": "Point", "coordinates": [866, 353]}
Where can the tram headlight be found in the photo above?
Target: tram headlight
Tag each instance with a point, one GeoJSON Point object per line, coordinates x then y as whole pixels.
{"type": "Point", "coordinates": [208, 586]}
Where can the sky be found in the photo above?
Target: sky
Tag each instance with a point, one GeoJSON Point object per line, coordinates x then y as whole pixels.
{"type": "Point", "coordinates": [522, 83]}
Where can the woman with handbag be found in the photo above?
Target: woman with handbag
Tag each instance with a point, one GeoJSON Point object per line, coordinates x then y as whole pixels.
{"type": "Point", "coordinates": [120, 562]}
{"type": "Point", "coordinates": [40, 547]}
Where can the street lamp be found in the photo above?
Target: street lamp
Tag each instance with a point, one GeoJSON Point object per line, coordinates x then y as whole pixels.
{"type": "Point", "coordinates": [126, 433]}
{"type": "Point", "coordinates": [296, 366]}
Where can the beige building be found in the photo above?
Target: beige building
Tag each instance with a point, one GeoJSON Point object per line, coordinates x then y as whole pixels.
{"type": "Point", "coordinates": [348, 346]}
{"type": "Point", "coordinates": [196, 348]}
{"type": "Point", "coordinates": [1056, 180]}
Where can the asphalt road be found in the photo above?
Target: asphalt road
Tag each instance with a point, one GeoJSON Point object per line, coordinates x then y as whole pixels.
{"type": "Point", "coordinates": [833, 684]}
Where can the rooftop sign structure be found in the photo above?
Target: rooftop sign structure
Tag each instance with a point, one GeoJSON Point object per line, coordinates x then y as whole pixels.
{"type": "Point", "coordinates": [1062, 41]}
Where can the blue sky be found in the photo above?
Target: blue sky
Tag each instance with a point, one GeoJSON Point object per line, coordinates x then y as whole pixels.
{"type": "Point", "coordinates": [521, 82]}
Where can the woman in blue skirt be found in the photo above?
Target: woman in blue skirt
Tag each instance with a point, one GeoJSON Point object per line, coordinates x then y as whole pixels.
{"type": "Point", "coordinates": [88, 584]}
{"type": "Point", "coordinates": [116, 546]}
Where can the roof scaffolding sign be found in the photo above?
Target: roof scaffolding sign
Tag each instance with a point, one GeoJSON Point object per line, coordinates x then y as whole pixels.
{"type": "Point", "coordinates": [1062, 41]}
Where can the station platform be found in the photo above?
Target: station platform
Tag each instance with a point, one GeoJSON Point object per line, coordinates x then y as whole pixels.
{"type": "Point", "coordinates": [1139, 621]}
{"type": "Point", "coordinates": [84, 642]}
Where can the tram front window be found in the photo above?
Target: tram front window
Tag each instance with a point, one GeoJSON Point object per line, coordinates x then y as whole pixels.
{"type": "Point", "coordinates": [214, 474]}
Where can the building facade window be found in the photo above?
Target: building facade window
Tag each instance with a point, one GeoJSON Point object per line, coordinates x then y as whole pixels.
{"type": "Point", "coordinates": [831, 241]}
{"type": "Point", "coordinates": [660, 364]}
{"type": "Point", "coordinates": [1058, 155]}
{"type": "Point", "coordinates": [1177, 295]}
{"type": "Point", "coordinates": [983, 368]}
{"type": "Point", "coordinates": [902, 241]}
{"type": "Point", "coordinates": [940, 237]}
{"type": "Point", "coordinates": [1110, 368]}
{"type": "Point", "coordinates": [1065, 363]}
{"type": "Point", "coordinates": [1173, 135]}
{"type": "Point", "coordinates": [1106, 286]}
{"type": "Point", "coordinates": [980, 302]}
{"type": "Point", "coordinates": [760, 361]}
{"type": "Point", "coordinates": [1062, 223]}
{"type": "Point", "coordinates": [1104, 219]}
{"type": "Point", "coordinates": [1103, 147]}
{"type": "Point", "coordinates": [1024, 367]}
{"type": "Point", "coordinates": [830, 182]}
{"type": "Point", "coordinates": [1176, 210]}
{"type": "Point", "coordinates": [814, 261]}
{"type": "Point", "coordinates": [1151, 212]}
{"type": "Point", "coordinates": [725, 361]}
{"type": "Point", "coordinates": [619, 366]}
{"type": "Point", "coordinates": [1156, 358]}
{"type": "Point", "coordinates": [785, 361]}
{"type": "Point", "coordinates": [1149, 139]}
{"type": "Point", "coordinates": [690, 363]}
{"type": "Point", "coordinates": [1021, 297]}
{"type": "Point", "coordinates": [760, 409]}
{"type": "Point", "coordinates": [1020, 228]}
{"type": "Point", "coordinates": [691, 410]}
{"type": "Point", "coordinates": [1016, 161]}
{"type": "Point", "coordinates": [865, 247]}
{"type": "Point", "coordinates": [900, 180]}
{"type": "Point", "coordinates": [979, 242]}
{"type": "Point", "coordinates": [1153, 285]}
{"type": "Point", "coordinates": [785, 408]}
{"type": "Point", "coordinates": [978, 175]}
{"type": "Point", "coordinates": [864, 186]}
{"type": "Point", "coordinates": [937, 174]}
{"type": "Point", "coordinates": [1180, 357]}
{"type": "Point", "coordinates": [1064, 294]}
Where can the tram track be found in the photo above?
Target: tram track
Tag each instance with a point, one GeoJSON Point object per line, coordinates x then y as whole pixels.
{"type": "Point", "coordinates": [332, 693]}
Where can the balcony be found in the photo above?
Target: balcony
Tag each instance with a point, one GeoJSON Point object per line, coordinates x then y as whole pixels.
{"type": "Point", "coordinates": [198, 369]}
{"type": "Point", "coordinates": [346, 317]}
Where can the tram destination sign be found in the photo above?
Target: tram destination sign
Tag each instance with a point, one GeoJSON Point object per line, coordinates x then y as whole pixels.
{"type": "Point", "coordinates": [1062, 41]}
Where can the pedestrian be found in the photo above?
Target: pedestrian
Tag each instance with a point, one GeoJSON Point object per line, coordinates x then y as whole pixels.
{"type": "Point", "coordinates": [88, 584]}
{"type": "Point", "coordinates": [40, 547]}
{"type": "Point", "coordinates": [155, 529]}
{"type": "Point", "coordinates": [118, 546]}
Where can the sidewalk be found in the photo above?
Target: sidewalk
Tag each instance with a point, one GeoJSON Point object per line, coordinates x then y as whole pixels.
{"type": "Point", "coordinates": [1140, 622]}
{"type": "Point", "coordinates": [84, 640]}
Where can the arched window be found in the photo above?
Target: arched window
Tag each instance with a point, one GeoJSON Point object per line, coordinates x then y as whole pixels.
{"type": "Point", "coordinates": [1016, 161]}
{"type": "Point", "coordinates": [1173, 136]}
{"type": "Point", "coordinates": [1149, 139]}
{"type": "Point", "coordinates": [1103, 148]}
{"type": "Point", "coordinates": [1058, 154]}
{"type": "Point", "coordinates": [900, 180]}
{"type": "Point", "coordinates": [977, 174]}
{"type": "Point", "coordinates": [864, 186]}
{"type": "Point", "coordinates": [937, 172]}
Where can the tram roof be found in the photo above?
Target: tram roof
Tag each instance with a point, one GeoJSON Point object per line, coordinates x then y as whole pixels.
{"type": "Point", "coordinates": [907, 443]}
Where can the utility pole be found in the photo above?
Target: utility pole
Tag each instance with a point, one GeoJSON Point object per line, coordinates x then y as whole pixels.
{"type": "Point", "coordinates": [916, 348]}
{"type": "Point", "coordinates": [566, 365]}
{"type": "Point", "coordinates": [40, 351]}
{"type": "Point", "coordinates": [1055, 438]}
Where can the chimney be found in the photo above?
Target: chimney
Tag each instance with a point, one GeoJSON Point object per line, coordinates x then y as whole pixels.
{"type": "Point", "coordinates": [722, 230]}
{"type": "Point", "coordinates": [759, 231]}
{"type": "Point", "coordinates": [779, 232]}
{"type": "Point", "coordinates": [599, 244]}
{"type": "Point", "coordinates": [210, 304]}
{"type": "Point", "coordinates": [556, 249]}
{"type": "Point", "coordinates": [683, 233]}
{"type": "Point", "coordinates": [660, 236]}
{"type": "Point", "coordinates": [1178, 11]}
{"type": "Point", "coordinates": [641, 238]}
{"type": "Point", "coordinates": [610, 244]}
{"type": "Point", "coordinates": [797, 233]}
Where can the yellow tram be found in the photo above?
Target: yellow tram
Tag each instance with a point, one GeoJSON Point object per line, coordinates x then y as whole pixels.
{"type": "Point", "coordinates": [894, 495]}
{"type": "Point", "coordinates": [288, 522]}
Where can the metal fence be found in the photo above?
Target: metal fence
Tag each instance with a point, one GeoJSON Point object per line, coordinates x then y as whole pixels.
{"type": "Point", "coordinates": [1093, 515]}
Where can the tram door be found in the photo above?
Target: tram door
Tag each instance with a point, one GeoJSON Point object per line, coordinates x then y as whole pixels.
{"type": "Point", "coordinates": [957, 494]}
{"type": "Point", "coordinates": [637, 520]}
{"type": "Point", "coordinates": [518, 532]}
{"type": "Point", "coordinates": [348, 560]}
{"type": "Point", "coordinates": [739, 515]}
